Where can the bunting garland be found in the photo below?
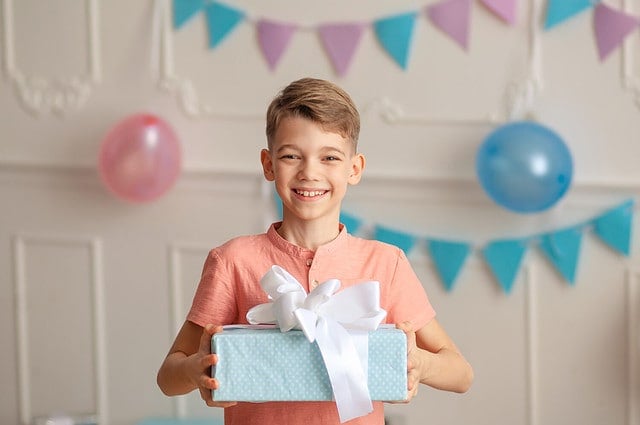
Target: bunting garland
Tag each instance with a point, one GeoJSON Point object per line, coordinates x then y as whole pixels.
{"type": "Point", "coordinates": [503, 9]}
{"type": "Point", "coordinates": [452, 17]}
{"type": "Point", "coordinates": [448, 257]}
{"type": "Point", "coordinates": [221, 21]}
{"type": "Point", "coordinates": [274, 38]}
{"type": "Point", "coordinates": [341, 42]}
{"type": "Point", "coordinates": [184, 10]}
{"type": "Point", "coordinates": [612, 27]}
{"type": "Point", "coordinates": [559, 11]}
{"type": "Point", "coordinates": [504, 257]}
{"type": "Point", "coordinates": [562, 249]}
{"type": "Point", "coordinates": [394, 33]}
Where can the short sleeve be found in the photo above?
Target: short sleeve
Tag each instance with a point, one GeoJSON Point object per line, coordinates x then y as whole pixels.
{"type": "Point", "coordinates": [408, 300]}
{"type": "Point", "coordinates": [214, 299]}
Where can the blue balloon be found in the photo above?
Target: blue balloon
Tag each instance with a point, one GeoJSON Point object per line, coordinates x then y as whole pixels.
{"type": "Point", "coordinates": [524, 167]}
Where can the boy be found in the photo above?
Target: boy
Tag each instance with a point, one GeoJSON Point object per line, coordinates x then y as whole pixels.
{"type": "Point", "coordinates": [312, 133]}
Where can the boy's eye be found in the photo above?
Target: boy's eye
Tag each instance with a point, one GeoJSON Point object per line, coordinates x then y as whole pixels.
{"type": "Point", "coordinates": [288, 156]}
{"type": "Point", "coordinates": [332, 158]}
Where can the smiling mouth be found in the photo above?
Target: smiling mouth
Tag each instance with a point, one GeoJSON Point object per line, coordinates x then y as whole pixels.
{"type": "Point", "coordinates": [310, 193]}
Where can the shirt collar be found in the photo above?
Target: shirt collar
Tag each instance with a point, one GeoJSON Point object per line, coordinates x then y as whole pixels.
{"type": "Point", "coordinates": [284, 245]}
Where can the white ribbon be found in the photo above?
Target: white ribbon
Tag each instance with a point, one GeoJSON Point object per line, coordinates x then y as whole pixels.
{"type": "Point", "coordinates": [338, 322]}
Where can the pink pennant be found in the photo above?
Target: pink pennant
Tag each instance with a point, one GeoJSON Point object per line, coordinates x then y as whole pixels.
{"type": "Point", "coordinates": [503, 9]}
{"type": "Point", "coordinates": [452, 17]}
{"type": "Point", "coordinates": [612, 27]}
{"type": "Point", "coordinates": [341, 41]}
{"type": "Point", "coordinates": [274, 38]}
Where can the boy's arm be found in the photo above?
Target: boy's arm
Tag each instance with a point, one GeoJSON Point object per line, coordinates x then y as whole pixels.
{"type": "Point", "coordinates": [188, 363]}
{"type": "Point", "coordinates": [434, 360]}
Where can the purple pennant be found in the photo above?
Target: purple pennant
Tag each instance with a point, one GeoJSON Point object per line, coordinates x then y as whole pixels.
{"type": "Point", "coordinates": [274, 38]}
{"type": "Point", "coordinates": [452, 17]}
{"type": "Point", "coordinates": [341, 41]}
{"type": "Point", "coordinates": [504, 9]}
{"type": "Point", "coordinates": [611, 27]}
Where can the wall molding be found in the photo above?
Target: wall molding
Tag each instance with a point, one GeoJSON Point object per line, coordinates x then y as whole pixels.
{"type": "Point", "coordinates": [633, 344]}
{"type": "Point", "coordinates": [201, 171]}
{"type": "Point", "coordinates": [176, 303]}
{"type": "Point", "coordinates": [630, 76]}
{"type": "Point", "coordinates": [532, 347]}
{"type": "Point", "coordinates": [94, 246]}
{"type": "Point", "coordinates": [39, 94]}
{"type": "Point", "coordinates": [181, 88]}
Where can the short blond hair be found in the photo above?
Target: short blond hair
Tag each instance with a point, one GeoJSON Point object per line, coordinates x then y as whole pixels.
{"type": "Point", "coordinates": [320, 101]}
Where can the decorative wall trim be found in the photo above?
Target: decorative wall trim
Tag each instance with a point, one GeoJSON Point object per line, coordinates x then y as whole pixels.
{"type": "Point", "coordinates": [630, 76]}
{"type": "Point", "coordinates": [532, 346]}
{"type": "Point", "coordinates": [206, 171]}
{"type": "Point", "coordinates": [38, 94]}
{"type": "Point", "coordinates": [181, 88]}
{"type": "Point", "coordinates": [633, 344]}
{"type": "Point", "coordinates": [94, 246]}
{"type": "Point", "coordinates": [176, 301]}
{"type": "Point", "coordinates": [517, 99]}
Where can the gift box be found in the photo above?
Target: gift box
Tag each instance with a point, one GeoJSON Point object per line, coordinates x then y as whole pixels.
{"type": "Point", "coordinates": [269, 365]}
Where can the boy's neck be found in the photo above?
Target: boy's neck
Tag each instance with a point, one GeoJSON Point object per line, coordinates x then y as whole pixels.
{"type": "Point", "coordinates": [309, 235]}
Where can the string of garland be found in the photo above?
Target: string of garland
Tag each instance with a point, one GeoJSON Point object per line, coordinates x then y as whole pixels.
{"type": "Point", "coordinates": [395, 32]}
{"type": "Point", "coordinates": [504, 257]}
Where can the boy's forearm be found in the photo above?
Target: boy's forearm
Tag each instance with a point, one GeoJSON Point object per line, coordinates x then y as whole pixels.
{"type": "Point", "coordinates": [172, 378]}
{"type": "Point", "coordinates": [445, 370]}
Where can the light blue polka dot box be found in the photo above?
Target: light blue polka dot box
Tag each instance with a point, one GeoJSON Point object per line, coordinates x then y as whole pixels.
{"type": "Point", "coordinates": [268, 365]}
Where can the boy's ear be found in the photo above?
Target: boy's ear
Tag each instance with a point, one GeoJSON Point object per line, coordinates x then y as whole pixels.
{"type": "Point", "coordinates": [267, 164]}
{"type": "Point", "coordinates": [358, 163]}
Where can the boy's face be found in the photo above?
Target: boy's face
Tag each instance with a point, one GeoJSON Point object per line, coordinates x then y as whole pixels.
{"type": "Point", "coordinates": [311, 169]}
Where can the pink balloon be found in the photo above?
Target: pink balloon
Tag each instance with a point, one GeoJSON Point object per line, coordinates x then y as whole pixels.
{"type": "Point", "coordinates": [140, 158]}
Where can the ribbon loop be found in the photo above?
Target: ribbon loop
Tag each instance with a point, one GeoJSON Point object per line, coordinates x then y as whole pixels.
{"type": "Point", "coordinates": [335, 320]}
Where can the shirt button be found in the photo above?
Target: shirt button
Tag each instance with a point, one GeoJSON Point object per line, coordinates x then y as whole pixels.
{"type": "Point", "coordinates": [309, 261]}
{"type": "Point", "coordinates": [314, 283]}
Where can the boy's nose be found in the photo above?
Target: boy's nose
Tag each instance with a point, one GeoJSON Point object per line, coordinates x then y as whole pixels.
{"type": "Point", "coordinates": [307, 171]}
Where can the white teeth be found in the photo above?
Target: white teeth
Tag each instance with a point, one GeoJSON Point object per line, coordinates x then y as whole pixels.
{"type": "Point", "coordinates": [309, 193]}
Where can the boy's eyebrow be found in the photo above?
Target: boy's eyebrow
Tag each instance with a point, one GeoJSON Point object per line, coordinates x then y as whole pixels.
{"type": "Point", "coordinates": [283, 147]}
{"type": "Point", "coordinates": [325, 149]}
{"type": "Point", "coordinates": [333, 149]}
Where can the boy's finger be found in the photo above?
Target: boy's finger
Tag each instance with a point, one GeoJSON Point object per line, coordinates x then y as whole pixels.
{"type": "Point", "coordinates": [208, 360]}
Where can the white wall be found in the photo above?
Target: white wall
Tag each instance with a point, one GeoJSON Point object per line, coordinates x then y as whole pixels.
{"type": "Point", "coordinates": [92, 288]}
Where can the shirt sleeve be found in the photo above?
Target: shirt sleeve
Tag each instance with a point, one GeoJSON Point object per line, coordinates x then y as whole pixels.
{"type": "Point", "coordinates": [214, 299]}
{"type": "Point", "coordinates": [408, 300]}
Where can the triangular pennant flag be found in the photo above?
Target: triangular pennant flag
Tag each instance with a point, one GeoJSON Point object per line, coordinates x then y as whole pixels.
{"type": "Point", "coordinates": [562, 249]}
{"type": "Point", "coordinates": [341, 41]}
{"type": "Point", "coordinates": [395, 34]}
{"type": "Point", "coordinates": [221, 20]}
{"type": "Point", "coordinates": [611, 27]}
{"type": "Point", "coordinates": [503, 9]}
{"type": "Point", "coordinates": [560, 10]}
{"type": "Point", "coordinates": [352, 222]}
{"type": "Point", "coordinates": [448, 258]}
{"type": "Point", "coordinates": [403, 241]}
{"type": "Point", "coordinates": [274, 38]}
{"type": "Point", "coordinates": [452, 17]}
{"type": "Point", "coordinates": [183, 10]}
{"type": "Point", "coordinates": [504, 258]}
{"type": "Point", "coordinates": [614, 227]}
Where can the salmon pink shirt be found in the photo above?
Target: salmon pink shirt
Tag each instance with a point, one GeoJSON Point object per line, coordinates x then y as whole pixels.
{"type": "Point", "coordinates": [230, 286]}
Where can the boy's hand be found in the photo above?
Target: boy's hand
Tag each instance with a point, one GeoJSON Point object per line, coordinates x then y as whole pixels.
{"type": "Point", "coordinates": [199, 365]}
{"type": "Point", "coordinates": [413, 375]}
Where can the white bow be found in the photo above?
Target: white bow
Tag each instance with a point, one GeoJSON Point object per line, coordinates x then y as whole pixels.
{"type": "Point", "coordinates": [339, 322]}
